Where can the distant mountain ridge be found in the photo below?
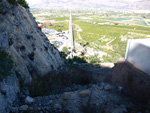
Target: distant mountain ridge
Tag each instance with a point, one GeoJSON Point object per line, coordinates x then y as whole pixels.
{"type": "Point", "coordinates": [79, 4]}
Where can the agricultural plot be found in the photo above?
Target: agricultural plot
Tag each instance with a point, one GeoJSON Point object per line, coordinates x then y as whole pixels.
{"type": "Point", "coordinates": [59, 26]}
{"type": "Point", "coordinates": [140, 22]}
{"type": "Point", "coordinates": [119, 19]}
{"type": "Point", "coordinates": [111, 39]}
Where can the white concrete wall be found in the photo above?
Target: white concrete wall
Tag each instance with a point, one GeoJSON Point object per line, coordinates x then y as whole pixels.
{"type": "Point", "coordinates": [138, 54]}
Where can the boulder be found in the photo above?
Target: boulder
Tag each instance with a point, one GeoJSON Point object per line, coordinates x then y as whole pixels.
{"type": "Point", "coordinates": [57, 106]}
{"type": "Point", "coordinates": [107, 87]}
{"type": "Point", "coordinates": [29, 100]}
{"type": "Point", "coordinates": [120, 89]}
{"type": "Point", "coordinates": [84, 93]}
{"type": "Point", "coordinates": [66, 96]}
{"type": "Point", "coordinates": [14, 109]}
{"type": "Point", "coordinates": [23, 107]}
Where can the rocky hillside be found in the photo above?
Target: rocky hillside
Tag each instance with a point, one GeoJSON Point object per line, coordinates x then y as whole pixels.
{"type": "Point", "coordinates": [76, 91]}
{"type": "Point", "coordinates": [25, 51]}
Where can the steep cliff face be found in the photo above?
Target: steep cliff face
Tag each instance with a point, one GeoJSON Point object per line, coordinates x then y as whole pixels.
{"type": "Point", "coordinates": [29, 48]}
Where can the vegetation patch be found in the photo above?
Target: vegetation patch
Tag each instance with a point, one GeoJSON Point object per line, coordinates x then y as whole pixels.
{"type": "Point", "coordinates": [94, 59]}
{"type": "Point", "coordinates": [61, 18]}
{"type": "Point", "coordinates": [14, 2]}
{"type": "Point", "coordinates": [21, 2]}
{"type": "Point", "coordinates": [140, 22]}
{"type": "Point", "coordinates": [65, 50]}
{"type": "Point", "coordinates": [76, 59]}
{"type": "Point", "coordinates": [1, 7]}
{"type": "Point", "coordinates": [113, 37]}
{"type": "Point", "coordinates": [57, 26]}
{"type": "Point", "coordinates": [54, 83]}
{"type": "Point", "coordinates": [6, 65]}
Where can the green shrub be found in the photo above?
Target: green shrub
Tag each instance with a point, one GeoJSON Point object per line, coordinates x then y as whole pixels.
{"type": "Point", "coordinates": [1, 6]}
{"type": "Point", "coordinates": [56, 83]}
{"type": "Point", "coordinates": [94, 59]}
{"type": "Point", "coordinates": [59, 30]}
{"type": "Point", "coordinates": [12, 2]}
{"type": "Point", "coordinates": [77, 59]}
{"type": "Point", "coordinates": [55, 44]}
{"type": "Point", "coordinates": [23, 3]}
{"type": "Point", "coordinates": [63, 55]}
{"type": "Point", "coordinates": [6, 65]}
{"type": "Point", "coordinates": [65, 50]}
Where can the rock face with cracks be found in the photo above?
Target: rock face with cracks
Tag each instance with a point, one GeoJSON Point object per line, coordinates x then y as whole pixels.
{"type": "Point", "coordinates": [28, 47]}
{"type": "Point", "coordinates": [23, 40]}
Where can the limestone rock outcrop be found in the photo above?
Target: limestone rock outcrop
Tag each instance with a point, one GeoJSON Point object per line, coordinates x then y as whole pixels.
{"type": "Point", "coordinates": [21, 37]}
{"type": "Point", "coordinates": [29, 48]}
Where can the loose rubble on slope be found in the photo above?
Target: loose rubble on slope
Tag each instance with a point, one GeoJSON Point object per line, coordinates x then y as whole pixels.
{"type": "Point", "coordinates": [98, 97]}
{"type": "Point", "coordinates": [92, 98]}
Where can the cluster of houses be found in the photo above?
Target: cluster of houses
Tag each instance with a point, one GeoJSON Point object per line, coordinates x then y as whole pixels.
{"type": "Point", "coordinates": [59, 39]}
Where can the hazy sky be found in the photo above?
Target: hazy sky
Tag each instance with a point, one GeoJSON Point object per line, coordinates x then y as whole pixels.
{"type": "Point", "coordinates": [32, 2]}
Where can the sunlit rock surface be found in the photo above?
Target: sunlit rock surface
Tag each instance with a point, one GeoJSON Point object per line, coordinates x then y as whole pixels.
{"type": "Point", "coordinates": [29, 48]}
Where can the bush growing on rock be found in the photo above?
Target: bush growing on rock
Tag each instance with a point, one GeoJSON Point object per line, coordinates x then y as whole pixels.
{"type": "Point", "coordinates": [94, 59]}
{"type": "Point", "coordinates": [21, 2]}
{"type": "Point", "coordinates": [12, 2]}
{"type": "Point", "coordinates": [65, 50]}
{"type": "Point", "coordinates": [1, 8]}
{"type": "Point", "coordinates": [55, 44]}
{"type": "Point", "coordinates": [6, 65]}
{"type": "Point", "coordinates": [54, 83]}
{"type": "Point", "coordinates": [77, 60]}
